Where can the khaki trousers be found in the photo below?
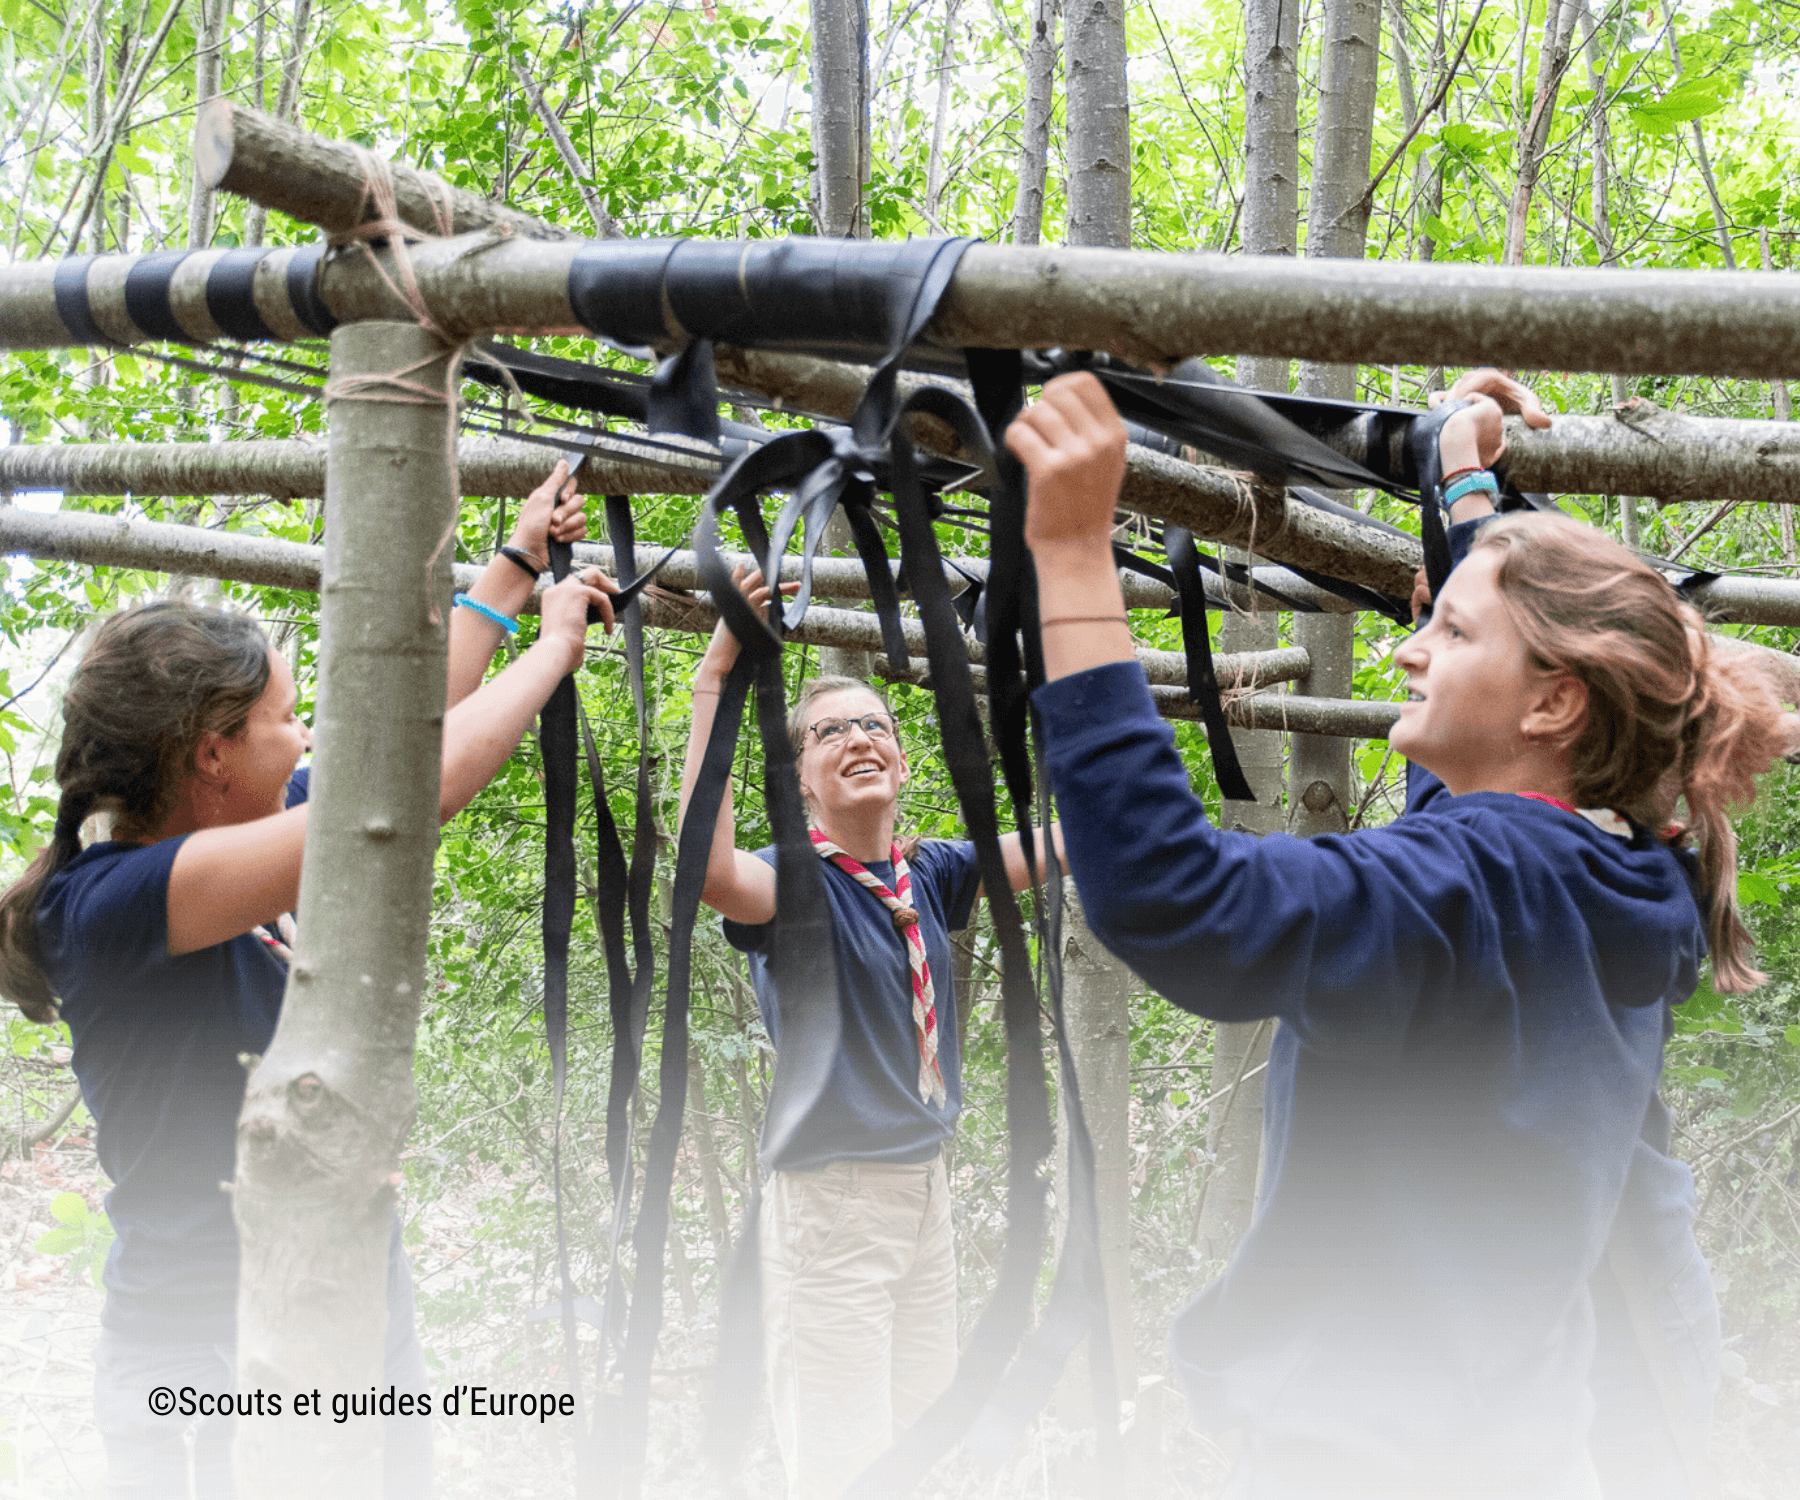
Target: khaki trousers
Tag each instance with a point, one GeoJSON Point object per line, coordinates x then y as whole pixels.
{"type": "Point", "coordinates": [859, 1312]}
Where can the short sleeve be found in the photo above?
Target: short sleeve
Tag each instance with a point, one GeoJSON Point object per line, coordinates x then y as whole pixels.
{"type": "Point", "coordinates": [752, 937]}
{"type": "Point", "coordinates": [110, 912]}
{"type": "Point", "coordinates": [955, 875]}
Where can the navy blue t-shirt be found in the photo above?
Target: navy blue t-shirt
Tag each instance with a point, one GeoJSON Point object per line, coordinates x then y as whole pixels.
{"type": "Point", "coordinates": [870, 1109]}
{"type": "Point", "coordinates": [157, 1046]}
{"type": "Point", "coordinates": [1471, 1003]}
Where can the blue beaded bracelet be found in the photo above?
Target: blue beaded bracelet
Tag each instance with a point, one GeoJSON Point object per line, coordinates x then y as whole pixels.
{"type": "Point", "coordinates": [1469, 484]}
{"type": "Point", "coordinates": [463, 601]}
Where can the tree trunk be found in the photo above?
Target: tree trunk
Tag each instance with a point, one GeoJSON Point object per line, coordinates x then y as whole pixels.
{"type": "Point", "coordinates": [287, 103]}
{"type": "Point", "coordinates": [940, 121]}
{"type": "Point", "coordinates": [94, 61]}
{"type": "Point", "coordinates": [209, 60]}
{"type": "Point", "coordinates": [1600, 199]}
{"type": "Point", "coordinates": [1271, 226]}
{"type": "Point", "coordinates": [1534, 125]}
{"type": "Point", "coordinates": [1337, 225]}
{"type": "Point", "coordinates": [1098, 108]}
{"type": "Point", "coordinates": [840, 136]}
{"type": "Point", "coordinates": [329, 1106]}
{"type": "Point", "coordinates": [1034, 135]}
{"type": "Point", "coordinates": [840, 116]}
{"type": "Point", "coordinates": [1097, 1008]}
{"type": "Point", "coordinates": [1271, 215]}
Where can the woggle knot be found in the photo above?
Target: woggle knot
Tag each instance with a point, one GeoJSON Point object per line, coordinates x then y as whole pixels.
{"type": "Point", "coordinates": [905, 917]}
{"type": "Point", "coordinates": [859, 458]}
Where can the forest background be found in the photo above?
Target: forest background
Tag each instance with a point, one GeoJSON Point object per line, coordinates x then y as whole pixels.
{"type": "Point", "coordinates": [1520, 130]}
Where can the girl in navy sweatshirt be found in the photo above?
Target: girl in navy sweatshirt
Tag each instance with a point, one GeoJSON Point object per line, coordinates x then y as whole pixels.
{"type": "Point", "coordinates": [1471, 1000]}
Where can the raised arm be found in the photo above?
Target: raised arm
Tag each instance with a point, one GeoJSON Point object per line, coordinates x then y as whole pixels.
{"type": "Point", "coordinates": [1220, 923]}
{"type": "Point", "coordinates": [227, 880]}
{"type": "Point", "coordinates": [1012, 850]}
{"type": "Point", "coordinates": [739, 886]}
{"type": "Point", "coordinates": [553, 509]}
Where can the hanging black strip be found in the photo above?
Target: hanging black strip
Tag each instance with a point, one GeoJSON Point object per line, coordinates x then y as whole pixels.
{"type": "Point", "coordinates": [803, 960]}
{"type": "Point", "coordinates": [231, 297]}
{"type": "Point", "coordinates": [558, 732]}
{"type": "Point", "coordinates": [1203, 684]}
{"type": "Point", "coordinates": [1422, 443]}
{"type": "Point", "coordinates": [996, 375]}
{"type": "Point", "coordinates": [69, 285]}
{"type": "Point", "coordinates": [1078, 1302]}
{"type": "Point", "coordinates": [1003, 1322]}
{"type": "Point", "coordinates": [884, 591]}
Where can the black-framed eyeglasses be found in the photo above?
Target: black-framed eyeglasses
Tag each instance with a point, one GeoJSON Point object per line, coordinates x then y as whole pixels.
{"type": "Point", "coordinates": [877, 726]}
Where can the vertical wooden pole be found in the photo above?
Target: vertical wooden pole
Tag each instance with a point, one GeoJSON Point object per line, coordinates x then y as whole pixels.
{"type": "Point", "coordinates": [330, 1105]}
{"type": "Point", "coordinates": [1270, 226]}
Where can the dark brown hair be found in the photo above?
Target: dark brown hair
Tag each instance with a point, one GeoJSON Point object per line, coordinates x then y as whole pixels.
{"type": "Point", "coordinates": [1669, 717]}
{"type": "Point", "coordinates": [154, 680]}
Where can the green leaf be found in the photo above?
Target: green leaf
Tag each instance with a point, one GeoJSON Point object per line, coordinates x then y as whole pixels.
{"type": "Point", "coordinates": [1793, 1036]}
{"type": "Point", "coordinates": [60, 1242]}
{"type": "Point", "coordinates": [70, 1209]}
{"type": "Point", "coordinates": [1691, 99]}
{"type": "Point", "coordinates": [1754, 887]}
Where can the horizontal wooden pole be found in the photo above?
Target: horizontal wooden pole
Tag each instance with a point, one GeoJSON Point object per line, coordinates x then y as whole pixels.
{"type": "Point", "coordinates": [1152, 307]}
{"type": "Point", "coordinates": [488, 467]}
{"type": "Point", "coordinates": [326, 182]}
{"type": "Point", "coordinates": [1640, 449]}
{"type": "Point", "coordinates": [121, 542]}
{"type": "Point", "coordinates": [1142, 304]}
{"type": "Point", "coordinates": [295, 469]}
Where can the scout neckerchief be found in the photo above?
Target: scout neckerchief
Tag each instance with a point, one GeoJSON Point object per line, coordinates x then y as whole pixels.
{"type": "Point", "coordinates": [1603, 818]}
{"type": "Point", "coordinates": [906, 922]}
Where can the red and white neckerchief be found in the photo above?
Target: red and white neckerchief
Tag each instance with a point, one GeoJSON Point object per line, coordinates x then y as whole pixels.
{"type": "Point", "coordinates": [906, 923]}
{"type": "Point", "coordinates": [1603, 818]}
{"type": "Point", "coordinates": [281, 941]}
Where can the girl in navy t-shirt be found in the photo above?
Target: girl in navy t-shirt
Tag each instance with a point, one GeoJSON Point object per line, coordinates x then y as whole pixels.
{"type": "Point", "coordinates": [163, 949]}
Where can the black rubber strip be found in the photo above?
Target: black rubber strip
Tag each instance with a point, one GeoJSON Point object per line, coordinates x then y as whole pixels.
{"type": "Point", "coordinates": [558, 733]}
{"type": "Point", "coordinates": [147, 296]}
{"type": "Point", "coordinates": [303, 291]}
{"type": "Point", "coordinates": [1422, 444]}
{"type": "Point", "coordinates": [231, 297]}
{"type": "Point", "coordinates": [72, 306]}
{"type": "Point", "coordinates": [1203, 682]}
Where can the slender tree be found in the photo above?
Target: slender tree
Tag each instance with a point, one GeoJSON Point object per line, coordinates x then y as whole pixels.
{"type": "Point", "coordinates": [1098, 111]}
{"type": "Point", "coordinates": [1534, 123]}
{"type": "Point", "coordinates": [1269, 226]}
{"type": "Point", "coordinates": [209, 56]}
{"type": "Point", "coordinates": [1097, 1003]}
{"type": "Point", "coordinates": [1034, 136]}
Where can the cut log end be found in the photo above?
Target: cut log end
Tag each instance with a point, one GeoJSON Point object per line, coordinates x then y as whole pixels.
{"type": "Point", "coordinates": [214, 134]}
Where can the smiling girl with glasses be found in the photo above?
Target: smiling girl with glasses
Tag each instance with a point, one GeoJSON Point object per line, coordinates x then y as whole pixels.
{"type": "Point", "coordinates": [859, 1268]}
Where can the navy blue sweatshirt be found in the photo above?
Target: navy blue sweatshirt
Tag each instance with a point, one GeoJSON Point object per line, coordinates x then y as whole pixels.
{"type": "Point", "coordinates": [1471, 1007]}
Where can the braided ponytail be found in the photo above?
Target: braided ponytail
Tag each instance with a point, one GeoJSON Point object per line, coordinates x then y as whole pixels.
{"type": "Point", "coordinates": [155, 679]}
{"type": "Point", "coordinates": [1670, 717]}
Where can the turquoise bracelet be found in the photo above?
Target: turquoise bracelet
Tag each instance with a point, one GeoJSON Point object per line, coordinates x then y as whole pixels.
{"type": "Point", "coordinates": [1469, 484]}
{"type": "Point", "coordinates": [463, 601]}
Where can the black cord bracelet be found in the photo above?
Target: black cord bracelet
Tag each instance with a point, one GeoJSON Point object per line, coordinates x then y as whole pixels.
{"type": "Point", "coordinates": [521, 559]}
